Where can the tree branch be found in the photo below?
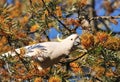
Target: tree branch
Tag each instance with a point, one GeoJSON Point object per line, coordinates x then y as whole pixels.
{"type": "Point", "coordinates": [92, 15]}
{"type": "Point", "coordinates": [104, 17]}
{"type": "Point", "coordinates": [69, 60]}
{"type": "Point", "coordinates": [21, 60]}
{"type": "Point", "coordinates": [76, 58]}
{"type": "Point", "coordinates": [30, 2]}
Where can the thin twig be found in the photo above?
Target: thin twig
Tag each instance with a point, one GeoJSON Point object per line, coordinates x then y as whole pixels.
{"type": "Point", "coordinates": [21, 60]}
{"type": "Point", "coordinates": [91, 15]}
{"type": "Point", "coordinates": [77, 58]}
{"type": "Point", "coordinates": [62, 23]}
{"type": "Point", "coordinates": [72, 60]}
{"type": "Point", "coordinates": [56, 18]}
{"type": "Point", "coordinates": [105, 61]}
{"type": "Point", "coordinates": [98, 79]}
{"type": "Point", "coordinates": [46, 22]}
{"type": "Point", "coordinates": [7, 66]}
{"type": "Point", "coordinates": [107, 27]}
{"type": "Point", "coordinates": [30, 2]}
{"type": "Point", "coordinates": [104, 17]}
{"type": "Point", "coordinates": [46, 35]}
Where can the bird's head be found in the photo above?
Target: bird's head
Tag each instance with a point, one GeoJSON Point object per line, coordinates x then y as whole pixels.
{"type": "Point", "coordinates": [71, 40]}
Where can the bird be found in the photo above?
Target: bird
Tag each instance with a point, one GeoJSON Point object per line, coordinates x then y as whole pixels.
{"type": "Point", "coordinates": [47, 53]}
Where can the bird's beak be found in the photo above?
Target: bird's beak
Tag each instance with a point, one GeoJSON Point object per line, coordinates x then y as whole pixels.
{"type": "Point", "coordinates": [77, 41]}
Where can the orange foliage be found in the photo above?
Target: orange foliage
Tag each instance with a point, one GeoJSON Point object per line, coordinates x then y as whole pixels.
{"type": "Point", "coordinates": [109, 74]}
{"type": "Point", "coordinates": [50, 24]}
{"type": "Point", "coordinates": [43, 72]}
{"type": "Point", "coordinates": [58, 11]}
{"type": "Point", "coordinates": [102, 36]}
{"type": "Point", "coordinates": [17, 4]}
{"type": "Point", "coordinates": [71, 21]}
{"type": "Point", "coordinates": [24, 20]}
{"type": "Point", "coordinates": [34, 28]}
{"type": "Point", "coordinates": [47, 1]}
{"type": "Point", "coordinates": [39, 72]}
{"type": "Point", "coordinates": [2, 19]}
{"type": "Point", "coordinates": [2, 2]}
{"type": "Point", "coordinates": [99, 71]}
{"type": "Point", "coordinates": [112, 43]}
{"type": "Point", "coordinates": [6, 48]}
{"type": "Point", "coordinates": [1, 63]}
{"type": "Point", "coordinates": [38, 79]}
{"type": "Point", "coordinates": [82, 3]}
{"type": "Point", "coordinates": [75, 67]}
{"type": "Point", "coordinates": [37, 1]}
{"type": "Point", "coordinates": [3, 46]}
{"type": "Point", "coordinates": [70, 2]}
{"type": "Point", "coordinates": [20, 35]}
{"type": "Point", "coordinates": [22, 51]}
{"type": "Point", "coordinates": [3, 40]}
{"type": "Point", "coordinates": [15, 13]}
{"type": "Point", "coordinates": [4, 73]}
{"type": "Point", "coordinates": [100, 60]}
{"type": "Point", "coordinates": [54, 79]}
{"type": "Point", "coordinates": [17, 10]}
{"type": "Point", "coordinates": [22, 74]}
{"type": "Point", "coordinates": [32, 42]}
{"type": "Point", "coordinates": [87, 40]}
{"type": "Point", "coordinates": [46, 13]}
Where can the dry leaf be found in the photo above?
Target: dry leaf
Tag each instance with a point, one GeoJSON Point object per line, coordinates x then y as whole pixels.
{"type": "Point", "coordinates": [58, 11]}
{"type": "Point", "coordinates": [22, 51]}
{"type": "Point", "coordinates": [114, 21]}
{"type": "Point", "coordinates": [4, 40]}
{"type": "Point", "coordinates": [85, 25]}
{"type": "Point", "coordinates": [107, 5]}
{"type": "Point", "coordinates": [82, 3]}
{"type": "Point", "coordinates": [34, 28]}
{"type": "Point", "coordinates": [38, 79]}
{"type": "Point", "coordinates": [54, 79]}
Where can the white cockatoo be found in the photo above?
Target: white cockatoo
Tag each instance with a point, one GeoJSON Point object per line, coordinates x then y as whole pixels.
{"type": "Point", "coordinates": [47, 53]}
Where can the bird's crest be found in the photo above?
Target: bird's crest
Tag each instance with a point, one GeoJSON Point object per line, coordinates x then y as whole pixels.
{"type": "Point", "coordinates": [58, 38]}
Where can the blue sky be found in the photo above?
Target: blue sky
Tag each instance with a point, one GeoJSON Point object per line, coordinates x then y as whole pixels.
{"type": "Point", "coordinates": [101, 12]}
{"type": "Point", "coordinates": [9, 1]}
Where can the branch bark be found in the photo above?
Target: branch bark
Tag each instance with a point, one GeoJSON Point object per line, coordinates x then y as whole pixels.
{"type": "Point", "coordinates": [69, 60]}
{"type": "Point", "coordinates": [91, 15]}
{"type": "Point", "coordinates": [104, 17]}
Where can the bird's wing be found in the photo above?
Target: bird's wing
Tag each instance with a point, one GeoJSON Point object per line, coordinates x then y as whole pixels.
{"type": "Point", "coordinates": [38, 51]}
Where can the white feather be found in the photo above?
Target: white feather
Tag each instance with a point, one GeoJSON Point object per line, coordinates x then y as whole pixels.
{"type": "Point", "coordinates": [48, 53]}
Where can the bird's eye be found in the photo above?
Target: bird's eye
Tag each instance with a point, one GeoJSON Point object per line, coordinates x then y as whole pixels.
{"type": "Point", "coordinates": [71, 39]}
